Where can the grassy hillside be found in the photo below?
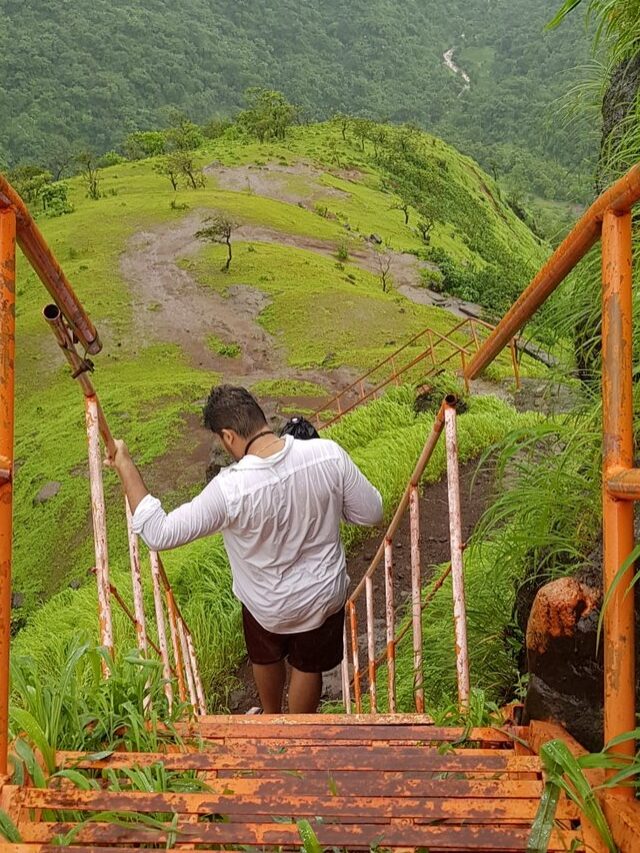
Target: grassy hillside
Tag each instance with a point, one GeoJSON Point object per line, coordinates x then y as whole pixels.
{"type": "Point", "coordinates": [299, 314]}
{"type": "Point", "coordinates": [86, 73]}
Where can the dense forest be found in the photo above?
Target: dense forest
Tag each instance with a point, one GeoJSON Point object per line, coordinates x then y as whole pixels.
{"type": "Point", "coordinates": [86, 73]}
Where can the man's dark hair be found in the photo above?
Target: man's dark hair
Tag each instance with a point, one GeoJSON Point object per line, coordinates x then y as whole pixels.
{"type": "Point", "coordinates": [229, 407]}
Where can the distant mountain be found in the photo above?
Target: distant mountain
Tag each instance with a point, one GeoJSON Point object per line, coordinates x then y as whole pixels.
{"type": "Point", "coordinates": [89, 71]}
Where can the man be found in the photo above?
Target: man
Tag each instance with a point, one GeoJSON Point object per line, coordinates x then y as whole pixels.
{"type": "Point", "coordinates": [279, 508]}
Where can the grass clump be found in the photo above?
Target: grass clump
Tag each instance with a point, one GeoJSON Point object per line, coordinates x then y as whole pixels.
{"type": "Point", "coordinates": [229, 350]}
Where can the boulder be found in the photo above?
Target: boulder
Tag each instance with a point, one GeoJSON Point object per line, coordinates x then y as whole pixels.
{"type": "Point", "coordinates": [564, 664]}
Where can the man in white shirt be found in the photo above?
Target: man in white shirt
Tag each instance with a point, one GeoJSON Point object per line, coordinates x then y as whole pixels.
{"type": "Point", "coordinates": [279, 508]}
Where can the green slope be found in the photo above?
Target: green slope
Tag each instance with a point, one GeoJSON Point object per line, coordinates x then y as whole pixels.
{"type": "Point", "coordinates": [88, 72]}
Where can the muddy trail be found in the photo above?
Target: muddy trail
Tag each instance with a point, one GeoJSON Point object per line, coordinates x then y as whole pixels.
{"type": "Point", "coordinates": [476, 493]}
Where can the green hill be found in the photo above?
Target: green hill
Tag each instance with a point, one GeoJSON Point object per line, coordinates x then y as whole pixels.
{"type": "Point", "coordinates": [88, 72]}
{"type": "Point", "coordinates": [300, 313]}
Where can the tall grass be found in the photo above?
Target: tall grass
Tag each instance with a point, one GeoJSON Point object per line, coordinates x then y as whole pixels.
{"type": "Point", "coordinates": [82, 710]}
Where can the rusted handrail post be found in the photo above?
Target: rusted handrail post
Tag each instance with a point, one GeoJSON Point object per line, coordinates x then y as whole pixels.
{"type": "Point", "coordinates": [353, 624]}
{"type": "Point", "coordinates": [346, 687]}
{"type": "Point", "coordinates": [457, 573]}
{"type": "Point", "coordinates": [390, 624]}
{"type": "Point", "coordinates": [98, 512]}
{"type": "Point", "coordinates": [202, 705]}
{"type": "Point", "coordinates": [175, 644]}
{"type": "Point", "coordinates": [136, 583]}
{"type": "Point", "coordinates": [514, 362]}
{"type": "Point", "coordinates": [160, 625]}
{"type": "Point", "coordinates": [7, 359]}
{"type": "Point", "coordinates": [618, 533]}
{"type": "Point", "coordinates": [188, 669]}
{"type": "Point", "coordinates": [371, 645]}
{"type": "Point", "coordinates": [416, 597]}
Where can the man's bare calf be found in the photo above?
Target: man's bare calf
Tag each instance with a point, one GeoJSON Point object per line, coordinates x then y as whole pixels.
{"type": "Point", "coordinates": [304, 688]}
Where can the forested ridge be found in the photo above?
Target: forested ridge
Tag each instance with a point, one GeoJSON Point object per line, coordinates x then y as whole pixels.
{"type": "Point", "coordinates": [87, 72]}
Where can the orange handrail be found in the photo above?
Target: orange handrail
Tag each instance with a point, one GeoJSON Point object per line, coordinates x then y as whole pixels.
{"type": "Point", "coordinates": [44, 263]}
{"type": "Point", "coordinates": [609, 218]}
{"type": "Point", "coordinates": [619, 198]}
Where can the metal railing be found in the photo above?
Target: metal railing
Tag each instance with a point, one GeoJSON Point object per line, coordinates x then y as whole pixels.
{"type": "Point", "coordinates": [184, 668]}
{"type": "Point", "coordinates": [440, 349]}
{"type": "Point", "coordinates": [70, 323]}
{"type": "Point", "coordinates": [445, 421]}
{"type": "Point", "coordinates": [609, 220]}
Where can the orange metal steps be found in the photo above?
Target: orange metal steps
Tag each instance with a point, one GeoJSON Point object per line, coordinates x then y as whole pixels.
{"type": "Point", "coordinates": [361, 781]}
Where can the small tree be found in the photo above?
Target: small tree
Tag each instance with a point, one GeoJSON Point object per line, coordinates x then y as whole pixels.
{"type": "Point", "coordinates": [88, 163]}
{"type": "Point", "coordinates": [341, 121]}
{"type": "Point", "coordinates": [61, 157]}
{"type": "Point", "coordinates": [424, 228]}
{"type": "Point", "coordinates": [184, 162]}
{"type": "Point", "coordinates": [169, 169]}
{"type": "Point", "coordinates": [402, 205]}
{"type": "Point", "coordinates": [362, 130]}
{"type": "Point", "coordinates": [219, 229]}
{"type": "Point", "coordinates": [383, 261]}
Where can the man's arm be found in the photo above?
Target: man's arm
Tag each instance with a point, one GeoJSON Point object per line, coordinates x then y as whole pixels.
{"type": "Point", "coordinates": [130, 477]}
{"type": "Point", "coordinates": [161, 531]}
{"type": "Point", "coordinates": [362, 501]}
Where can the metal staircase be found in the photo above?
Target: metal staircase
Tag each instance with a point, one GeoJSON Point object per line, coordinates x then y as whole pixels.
{"type": "Point", "coordinates": [360, 781]}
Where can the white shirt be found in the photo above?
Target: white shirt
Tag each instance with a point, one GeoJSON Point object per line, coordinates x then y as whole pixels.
{"type": "Point", "coordinates": [280, 521]}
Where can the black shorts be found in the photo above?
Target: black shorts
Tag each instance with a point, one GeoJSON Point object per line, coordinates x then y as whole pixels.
{"type": "Point", "coordinates": [318, 650]}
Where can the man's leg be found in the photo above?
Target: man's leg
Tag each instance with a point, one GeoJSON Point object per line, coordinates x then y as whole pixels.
{"type": "Point", "coordinates": [305, 689]}
{"type": "Point", "coordinates": [270, 680]}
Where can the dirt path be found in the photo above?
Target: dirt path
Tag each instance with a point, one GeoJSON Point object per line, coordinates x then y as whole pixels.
{"type": "Point", "coordinates": [170, 305]}
{"type": "Point", "coordinates": [476, 487]}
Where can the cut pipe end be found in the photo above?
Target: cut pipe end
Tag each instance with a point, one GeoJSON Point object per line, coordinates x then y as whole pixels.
{"type": "Point", "coordinates": [451, 399]}
{"type": "Point", "coordinates": [51, 312]}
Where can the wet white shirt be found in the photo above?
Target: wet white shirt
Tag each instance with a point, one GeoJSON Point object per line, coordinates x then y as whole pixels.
{"type": "Point", "coordinates": [280, 521]}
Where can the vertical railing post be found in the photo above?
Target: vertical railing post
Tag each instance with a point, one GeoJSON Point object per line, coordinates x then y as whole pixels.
{"type": "Point", "coordinates": [472, 326]}
{"type": "Point", "coordinates": [431, 352]}
{"type": "Point", "coordinates": [457, 574]}
{"type": "Point", "coordinates": [390, 619]}
{"type": "Point", "coordinates": [357, 688]}
{"type": "Point", "coordinates": [371, 644]}
{"type": "Point", "coordinates": [136, 583]}
{"type": "Point", "coordinates": [465, 379]}
{"type": "Point", "coordinates": [188, 669]}
{"type": "Point", "coordinates": [160, 625]}
{"type": "Point", "coordinates": [99, 515]}
{"type": "Point", "coordinates": [7, 352]}
{"type": "Point", "coordinates": [514, 362]}
{"type": "Point", "coordinates": [202, 704]}
{"type": "Point", "coordinates": [618, 533]}
{"type": "Point", "coordinates": [416, 597]}
{"type": "Point", "coordinates": [346, 689]}
{"type": "Point", "coordinates": [175, 644]}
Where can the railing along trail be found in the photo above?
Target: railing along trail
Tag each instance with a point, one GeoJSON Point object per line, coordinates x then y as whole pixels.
{"type": "Point", "coordinates": [184, 669]}
{"type": "Point", "coordinates": [436, 354]}
{"type": "Point", "coordinates": [445, 421]}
